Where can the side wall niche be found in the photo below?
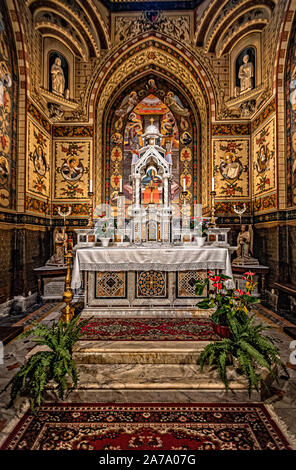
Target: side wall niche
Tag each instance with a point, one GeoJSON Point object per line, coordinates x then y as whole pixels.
{"type": "Point", "coordinates": [249, 45]}
{"type": "Point", "coordinates": [53, 48]}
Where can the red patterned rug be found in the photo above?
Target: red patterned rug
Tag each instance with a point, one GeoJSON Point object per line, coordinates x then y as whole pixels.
{"type": "Point", "coordinates": [197, 426]}
{"type": "Point", "coordinates": [150, 329]}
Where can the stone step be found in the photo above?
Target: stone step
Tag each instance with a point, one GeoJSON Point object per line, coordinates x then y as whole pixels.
{"type": "Point", "coordinates": [154, 377]}
{"type": "Point", "coordinates": [146, 311]}
{"type": "Point", "coordinates": [138, 352]}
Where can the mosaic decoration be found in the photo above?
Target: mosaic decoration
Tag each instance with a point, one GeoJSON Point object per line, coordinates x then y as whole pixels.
{"type": "Point", "coordinates": [264, 152]}
{"type": "Point", "coordinates": [8, 112]}
{"type": "Point", "coordinates": [73, 131]}
{"type": "Point", "coordinates": [110, 285]}
{"type": "Point", "coordinates": [38, 117]}
{"type": "Point", "coordinates": [231, 129]}
{"type": "Point", "coordinates": [131, 115]}
{"type": "Point", "coordinates": [290, 98]}
{"type": "Point", "coordinates": [231, 167]}
{"type": "Point", "coordinates": [265, 203]}
{"type": "Point", "coordinates": [78, 209]}
{"type": "Point", "coordinates": [151, 284]}
{"type": "Point", "coordinates": [38, 158]}
{"type": "Point", "coordinates": [37, 205]}
{"type": "Point", "coordinates": [72, 169]}
{"type": "Point", "coordinates": [225, 207]}
{"type": "Point", "coordinates": [186, 282]}
{"type": "Point", "coordinates": [264, 115]}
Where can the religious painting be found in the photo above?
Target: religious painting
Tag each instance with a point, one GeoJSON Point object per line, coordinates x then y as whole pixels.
{"type": "Point", "coordinates": [231, 167]}
{"type": "Point", "coordinates": [72, 169]}
{"type": "Point", "coordinates": [264, 151]}
{"type": "Point", "coordinates": [38, 158]}
{"type": "Point", "coordinates": [290, 98]}
{"type": "Point", "coordinates": [8, 111]}
{"type": "Point", "coordinates": [151, 187]}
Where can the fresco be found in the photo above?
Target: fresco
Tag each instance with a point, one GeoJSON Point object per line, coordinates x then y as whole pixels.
{"type": "Point", "coordinates": [290, 92]}
{"type": "Point", "coordinates": [8, 112]}
{"type": "Point", "coordinates": [38, 159]}
{"type": "Point", "coordinates": [264, 154]}
{"type": "Point", "coordinates": [231, 167]}
{"type": "Point", "coordinates": [72, 169]}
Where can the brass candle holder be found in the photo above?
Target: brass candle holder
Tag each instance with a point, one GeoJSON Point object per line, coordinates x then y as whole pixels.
{"type": "Point", "coordinates": [212, 220]}
{"type": "Point", "coordinates": [68, 310]}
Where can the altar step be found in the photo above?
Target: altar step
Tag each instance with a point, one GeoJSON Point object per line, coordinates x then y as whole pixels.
{"type": "Point", "coordinates": [145, 311]}
{"type": "Point", "coordinates": [124, 370]}
{"type": "Point", "coordinates": [138, 352]}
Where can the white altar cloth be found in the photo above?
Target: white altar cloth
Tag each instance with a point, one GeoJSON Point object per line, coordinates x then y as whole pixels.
{"type": "Point", "coordinates": [157, 258]}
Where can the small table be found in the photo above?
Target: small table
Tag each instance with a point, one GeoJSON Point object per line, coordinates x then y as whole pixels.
{"type": "Point", "coordinates": [47, 271]}
{"type": "Point", "coordinates": [261, 270]}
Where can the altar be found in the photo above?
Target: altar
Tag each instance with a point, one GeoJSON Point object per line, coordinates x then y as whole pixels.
{"type": "Point", "coordinates": [142, 276]}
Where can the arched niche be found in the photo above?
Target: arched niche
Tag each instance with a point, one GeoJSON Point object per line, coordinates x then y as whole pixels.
{"type": "Point", "coordinates": [53, 48]}
{"type": "Point", "coordinates": [250, 45]}
{"type": "Point", "coordinates": [123, 114]}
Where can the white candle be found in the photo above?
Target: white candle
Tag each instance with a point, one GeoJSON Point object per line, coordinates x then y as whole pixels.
{"type": "Point", "coordinates": [120, 185]}
{"type": "Point", "coordinates": [184, 184]}
{"type": "Point", "coordinates": [213, 184]}
{"type": "Point", "coordinates": [90, 186]}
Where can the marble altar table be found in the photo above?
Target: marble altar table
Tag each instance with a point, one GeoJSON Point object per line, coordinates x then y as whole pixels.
{"type": "Point", "coordinates": [157, 275]}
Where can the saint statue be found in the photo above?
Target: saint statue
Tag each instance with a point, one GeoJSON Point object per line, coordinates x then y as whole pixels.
{"type": "Point", "coordinates": [60, 244]}
{"type": "Point", "coordinates": [57, 77]}
{"type": "Point", "coordinates": [245, 74]}
{"type": "Point", "coordinates": [245, 247]}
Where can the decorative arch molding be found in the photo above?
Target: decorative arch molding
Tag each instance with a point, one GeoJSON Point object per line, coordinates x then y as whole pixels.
{"type": "Point", "coordinates": [159, 60]}
{"type": "Point", "coordinates": [184, 57]}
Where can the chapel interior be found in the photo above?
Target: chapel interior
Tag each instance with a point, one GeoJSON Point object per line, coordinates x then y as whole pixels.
{"type": "Point", "coordinates": [142, 144]}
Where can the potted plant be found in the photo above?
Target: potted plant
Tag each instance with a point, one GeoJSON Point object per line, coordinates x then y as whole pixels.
{"type": "Point", "coordinates": [249, 347]}
{"type": "Point", "coordinates": [202, 227]}
{"type": "Point", "coordinates": [104, 230]}
{"type": "Point", "coordinates": [53, 364]}
{"type": "Point", "coordinates": [228, 303]}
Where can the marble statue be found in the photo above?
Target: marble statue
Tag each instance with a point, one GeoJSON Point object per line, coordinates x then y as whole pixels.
{"type": "Point", "coordinates": [60, 243]}
{"type": "Point", "coordinates": [245, 74]}
{"type": "Point", "coordinates": [245, 247]}
{"type": "Point", "coordinates": [57, 77]}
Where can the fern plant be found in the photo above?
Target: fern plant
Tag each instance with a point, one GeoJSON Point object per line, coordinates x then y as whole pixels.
{"type": "Point", "coordinates": [251, 349]}
{"type": "Point", "coordinates": [55, 364]}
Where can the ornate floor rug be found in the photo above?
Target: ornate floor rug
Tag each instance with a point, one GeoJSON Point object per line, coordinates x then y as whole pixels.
{"type": "Point", "coordinates": [150, 329]}
{"type": "Point", "coordinates": [197, 426]}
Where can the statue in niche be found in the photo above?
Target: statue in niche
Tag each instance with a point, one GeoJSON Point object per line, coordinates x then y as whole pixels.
{"type": "Point", "coordinates": [246, 74]}
{"type": "Point", "coordinates": [57, 77]}
{"type": "Point", "coordinates": [60, 244]}
{"type": "Point", "coordinates": [245, 247]}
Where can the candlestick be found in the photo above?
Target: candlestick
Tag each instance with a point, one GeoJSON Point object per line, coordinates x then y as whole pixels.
{"type": "Point", "coordinates": [184, 185]}
{"type": "Point", "coordinates": [212, 221]}
{"type": "Point", "coordinates": [120, 185]}
{"type": "Point", "coordinates": [213, 184]}
{"type": "Point", "coordinates": [90, 186]}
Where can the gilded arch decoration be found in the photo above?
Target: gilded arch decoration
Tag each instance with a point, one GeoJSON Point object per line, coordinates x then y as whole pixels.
{"type": "Point", "coordinates": [151, 56]}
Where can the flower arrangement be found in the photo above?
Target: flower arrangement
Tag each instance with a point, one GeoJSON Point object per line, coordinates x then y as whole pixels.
{"type": "Point", "coordinates": [244, 341]}
{"type": "Point", "coordinates": [204, 225]}
{"type": "Point", "coordinates": [104, 227]}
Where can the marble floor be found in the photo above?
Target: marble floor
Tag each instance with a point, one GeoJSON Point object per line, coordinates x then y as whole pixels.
{"type": "Point", "coordinates": [134, 380]}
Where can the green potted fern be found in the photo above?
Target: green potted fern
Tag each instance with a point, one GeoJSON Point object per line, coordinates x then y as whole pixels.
{"type": "Point", "coordinates": [249, 349]}
{"type": "Point", "coordinates": [53, 364]}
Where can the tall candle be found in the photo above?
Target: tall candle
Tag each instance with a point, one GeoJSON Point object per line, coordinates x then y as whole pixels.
{"type": "Point", "coordinates": [120, 185]}
{"type": "Point", "coordinates": [213, 184]}
{"type": "Point", "coordinates": [90, 186]}
{"type": "Point", "coordinates": [184, 184]}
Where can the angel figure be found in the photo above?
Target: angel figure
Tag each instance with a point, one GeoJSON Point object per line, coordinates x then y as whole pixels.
{"type": "Point", "coordinates": [245, 247]}
{"type": "Point", "coordinates": [60, 244]}
{"type": "Point", "coordinates": [175, 104]}
{"type": "Point", "coordinates": [128, 104]}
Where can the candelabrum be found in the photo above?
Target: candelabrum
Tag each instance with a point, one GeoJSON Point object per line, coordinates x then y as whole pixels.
{"type": "Point", "coordinates": [68, 310]}
{"type": "Point", "coordinates": [91, 210]}
{"type": "Point", "coordinates": [212, 220]}
{"type": "Point", "coordinates": [240, 212]}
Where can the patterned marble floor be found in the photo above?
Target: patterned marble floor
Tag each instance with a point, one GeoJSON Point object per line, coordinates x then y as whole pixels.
{"type": "Point", "coordinates": [283, 398]}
